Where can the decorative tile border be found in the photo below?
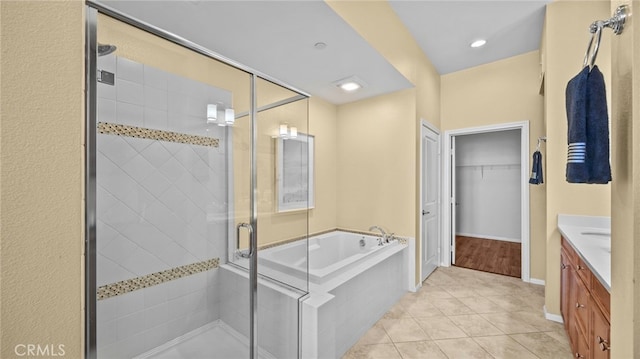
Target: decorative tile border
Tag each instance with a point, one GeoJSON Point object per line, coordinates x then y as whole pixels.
{"type": "Point", "coordinates": [150, 134]}
{"type": "Point", "coordinates": [129, 285]}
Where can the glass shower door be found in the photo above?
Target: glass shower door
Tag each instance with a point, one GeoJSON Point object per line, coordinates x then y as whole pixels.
{"type": "Point", "coordinates": [194, 158]}
{"type": "Point", "coordinates": [169, 151]}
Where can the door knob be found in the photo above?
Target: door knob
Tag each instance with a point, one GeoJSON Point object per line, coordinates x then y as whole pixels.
{"type": "Point", "coordinates": [425, 212]}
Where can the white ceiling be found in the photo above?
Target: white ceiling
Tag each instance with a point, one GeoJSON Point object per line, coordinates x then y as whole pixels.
{"type": "Point", "coordinates": [277, 37]}
{"type": "Point", "coordinates": [445, 29]}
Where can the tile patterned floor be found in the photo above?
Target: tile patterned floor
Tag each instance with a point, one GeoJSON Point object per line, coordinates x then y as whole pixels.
{"type": "Point", "coordinates": [462, 313]}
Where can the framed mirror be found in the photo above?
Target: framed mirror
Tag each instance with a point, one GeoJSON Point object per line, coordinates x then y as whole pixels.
{"type": "Point", "coordinates": [295, 173]}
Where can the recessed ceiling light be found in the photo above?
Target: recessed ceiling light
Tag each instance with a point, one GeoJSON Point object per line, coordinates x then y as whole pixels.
{"type": "Point", "coordinates": [350, 84]}
{"type": "Point", "coordinates": [320, 45]}
{"type": "Point", "coordinates": [478, 43]}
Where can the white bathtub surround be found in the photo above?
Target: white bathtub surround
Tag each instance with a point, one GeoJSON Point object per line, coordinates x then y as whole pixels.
{"type": "Point", "coordinates": [351, 286]}
{"type": "Point", "coordinates": [277, 327]}
{"type": "Point", "coordinates": [590, 236]}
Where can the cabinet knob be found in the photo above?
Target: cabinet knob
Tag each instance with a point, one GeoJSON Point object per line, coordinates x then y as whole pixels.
{"type": "Point", "coordinates": [604, 344]}
{"type": "Point", "coordinates": [578, 355]}
{"type": "Point", "coordinates": [563, 266]}
{"type": "Point", "coordinates": [578, 305]}
{"type": "Point", "coordinates": [579, 267]}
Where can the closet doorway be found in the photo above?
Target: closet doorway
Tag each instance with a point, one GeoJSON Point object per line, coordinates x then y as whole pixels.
{"type": "Point", "coordinates": [488, 211]}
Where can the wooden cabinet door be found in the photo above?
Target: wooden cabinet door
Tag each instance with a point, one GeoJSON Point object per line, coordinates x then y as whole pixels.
{"type": "Point", "coordinates": [565, 289]}
{"type": "Point", "coordinates": [581, 350]}
{"type": "Point", "coordinates": [600, 339]}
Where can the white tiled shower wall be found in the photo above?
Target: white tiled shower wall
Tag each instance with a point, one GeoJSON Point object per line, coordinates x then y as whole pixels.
{"type": "Point", "coordinates": [159, 205]}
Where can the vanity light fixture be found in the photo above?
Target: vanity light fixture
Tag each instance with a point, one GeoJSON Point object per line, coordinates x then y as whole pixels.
{"type": "Point", "coordinates": [287, 132]}
{"type": "Point", "coordinates": [229, 116]}
{"type": "Point", "coordinates": [219, 115]}
{"type": "Point", "coordinates": [478, 43]}
{"type": "Point", "coordinates": [212, 113]}
{"type": "Point", "coordinates": [350, 84]}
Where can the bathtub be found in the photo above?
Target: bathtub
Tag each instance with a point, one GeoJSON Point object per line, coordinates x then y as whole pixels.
{"type": "Point", "coordinates": [331, 255]}
{"type": "Point", "coordinates": [352, 282]}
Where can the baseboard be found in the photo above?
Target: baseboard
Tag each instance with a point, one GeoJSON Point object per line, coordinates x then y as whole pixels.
{"type": "Point", "coordinates": [552, 317]}
{"type": "Point", "coordinates": [536, 281]}
{"type": "Point", "coordinates": [485, 236]}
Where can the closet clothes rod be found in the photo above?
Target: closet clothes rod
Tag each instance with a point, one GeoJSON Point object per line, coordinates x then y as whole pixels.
{"type": "Point", "coordinates": [616, 23]}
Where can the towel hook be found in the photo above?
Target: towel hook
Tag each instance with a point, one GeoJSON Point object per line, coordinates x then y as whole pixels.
{"type": "Point", "coordinates": [541, 139]}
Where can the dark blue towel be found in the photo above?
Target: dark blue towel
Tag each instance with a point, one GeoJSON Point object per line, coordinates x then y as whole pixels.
{"type": "Point", "coordinates": [576, 102]}
{"type": "Point", "coordinates": [597, 129]}
{"type": "Point", "coordinates": [536, 169]}
{"type": "Point", "coordinates": [588, 128]}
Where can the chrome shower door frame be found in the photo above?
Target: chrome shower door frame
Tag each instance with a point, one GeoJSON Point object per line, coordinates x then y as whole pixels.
{"type": "Point", "coordinates": [92, 10]}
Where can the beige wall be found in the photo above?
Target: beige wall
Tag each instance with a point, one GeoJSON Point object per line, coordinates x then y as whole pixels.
{"type": "Point", "coordinates": [42, 162]}
{"type": "Point", "coordinates": [376, 172]}
{"type": "Point", "coordinates": [323, 124]}
{"type": "Point", "coordinates": [501, 92]}
{"type": "Point", "coordinates": [396, 44]}
{"type": "Point", "coordinates": [567, 35]}
{"type": "Point", "coordinates": [625, 196]}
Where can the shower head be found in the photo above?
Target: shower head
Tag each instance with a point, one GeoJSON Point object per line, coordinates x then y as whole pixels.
{"type": "Point", "coordinates": [105, 49]}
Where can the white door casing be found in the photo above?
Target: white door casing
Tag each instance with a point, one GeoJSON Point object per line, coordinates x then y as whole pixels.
{"type": "Point", "coordinates": [452, 201]}
{"type": "Point", "coordinates": [448, 183]}
{"type": "Point", "coordinates": [430, 200]}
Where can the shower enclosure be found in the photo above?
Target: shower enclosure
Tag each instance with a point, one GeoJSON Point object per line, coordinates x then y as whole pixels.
{"type": "Point", "coordinates": [181, 193]}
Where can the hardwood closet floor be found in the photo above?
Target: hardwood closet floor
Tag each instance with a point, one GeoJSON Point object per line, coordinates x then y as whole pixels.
{"type": "Point", "coordinates": [488, 255]}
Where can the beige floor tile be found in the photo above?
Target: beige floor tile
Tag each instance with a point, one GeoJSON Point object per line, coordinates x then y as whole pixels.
{"type": "Point", "coordinates": [509, 303]}
{"type": "Point", "coordinates": [508, 323]}
{"type": "Point", "coordinates": [538, 321]}
{"type": "Point", "coordinates": [504, 347]}
{"type": "Point", "coordinates": [420, 350]}
{"type": "Point", "coordinates": [475, 325]}
{"type": "Point", "coordinates": [459, 291]}
{"type": "Point", "coordinates": [422, 309]}
{"type": "Point", "coordinates": [489, 291]}
{"type": "Point", "coordinates": [374, 351]}
{"type": "Point", "coordinates": [543, 345]}
{"type": "Point", "coordinates": [452, 314]}
{"type": "Point", "coordinates": [440, 278]}
{"type": "Point", "coordinates": [451, 306]}
{"type": "Point", "coordinates": [481, 305]}
{"type": "Point", "coordinates": [560, 336]}
{"type": "Point", "coordinates": [433, 292]}
{"type": "Point", "coordinates": [462, 348]}
{"type": "Point", "coordinates": [375, 335]}
{"type": "Point", "coordinates": [399, 310]}
{"type": "Point", "coordinates": [403, 330]}
{"type": "Point", "coordinates": [440, 328]}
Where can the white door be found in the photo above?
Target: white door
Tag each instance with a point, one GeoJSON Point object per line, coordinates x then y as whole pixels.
{"type": "Point", "coordinates": [452, 200]}
{"type": "Point", "coordinates": [430, 203]}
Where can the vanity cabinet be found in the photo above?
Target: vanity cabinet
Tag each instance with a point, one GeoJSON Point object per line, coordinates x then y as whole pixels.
{"type": "Point", "coordinates": [585, 306]}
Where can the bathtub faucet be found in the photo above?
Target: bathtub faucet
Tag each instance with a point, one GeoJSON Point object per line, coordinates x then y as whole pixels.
{"type": "Point", "coordinates": [384, 234]}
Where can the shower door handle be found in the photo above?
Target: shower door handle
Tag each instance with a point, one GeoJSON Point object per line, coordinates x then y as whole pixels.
{"type": "Point", "coordinates": [249, 252]}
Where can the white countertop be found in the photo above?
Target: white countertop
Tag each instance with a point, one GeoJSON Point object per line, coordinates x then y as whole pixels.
{"type": "Point", "coordinates": [591, 238]}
